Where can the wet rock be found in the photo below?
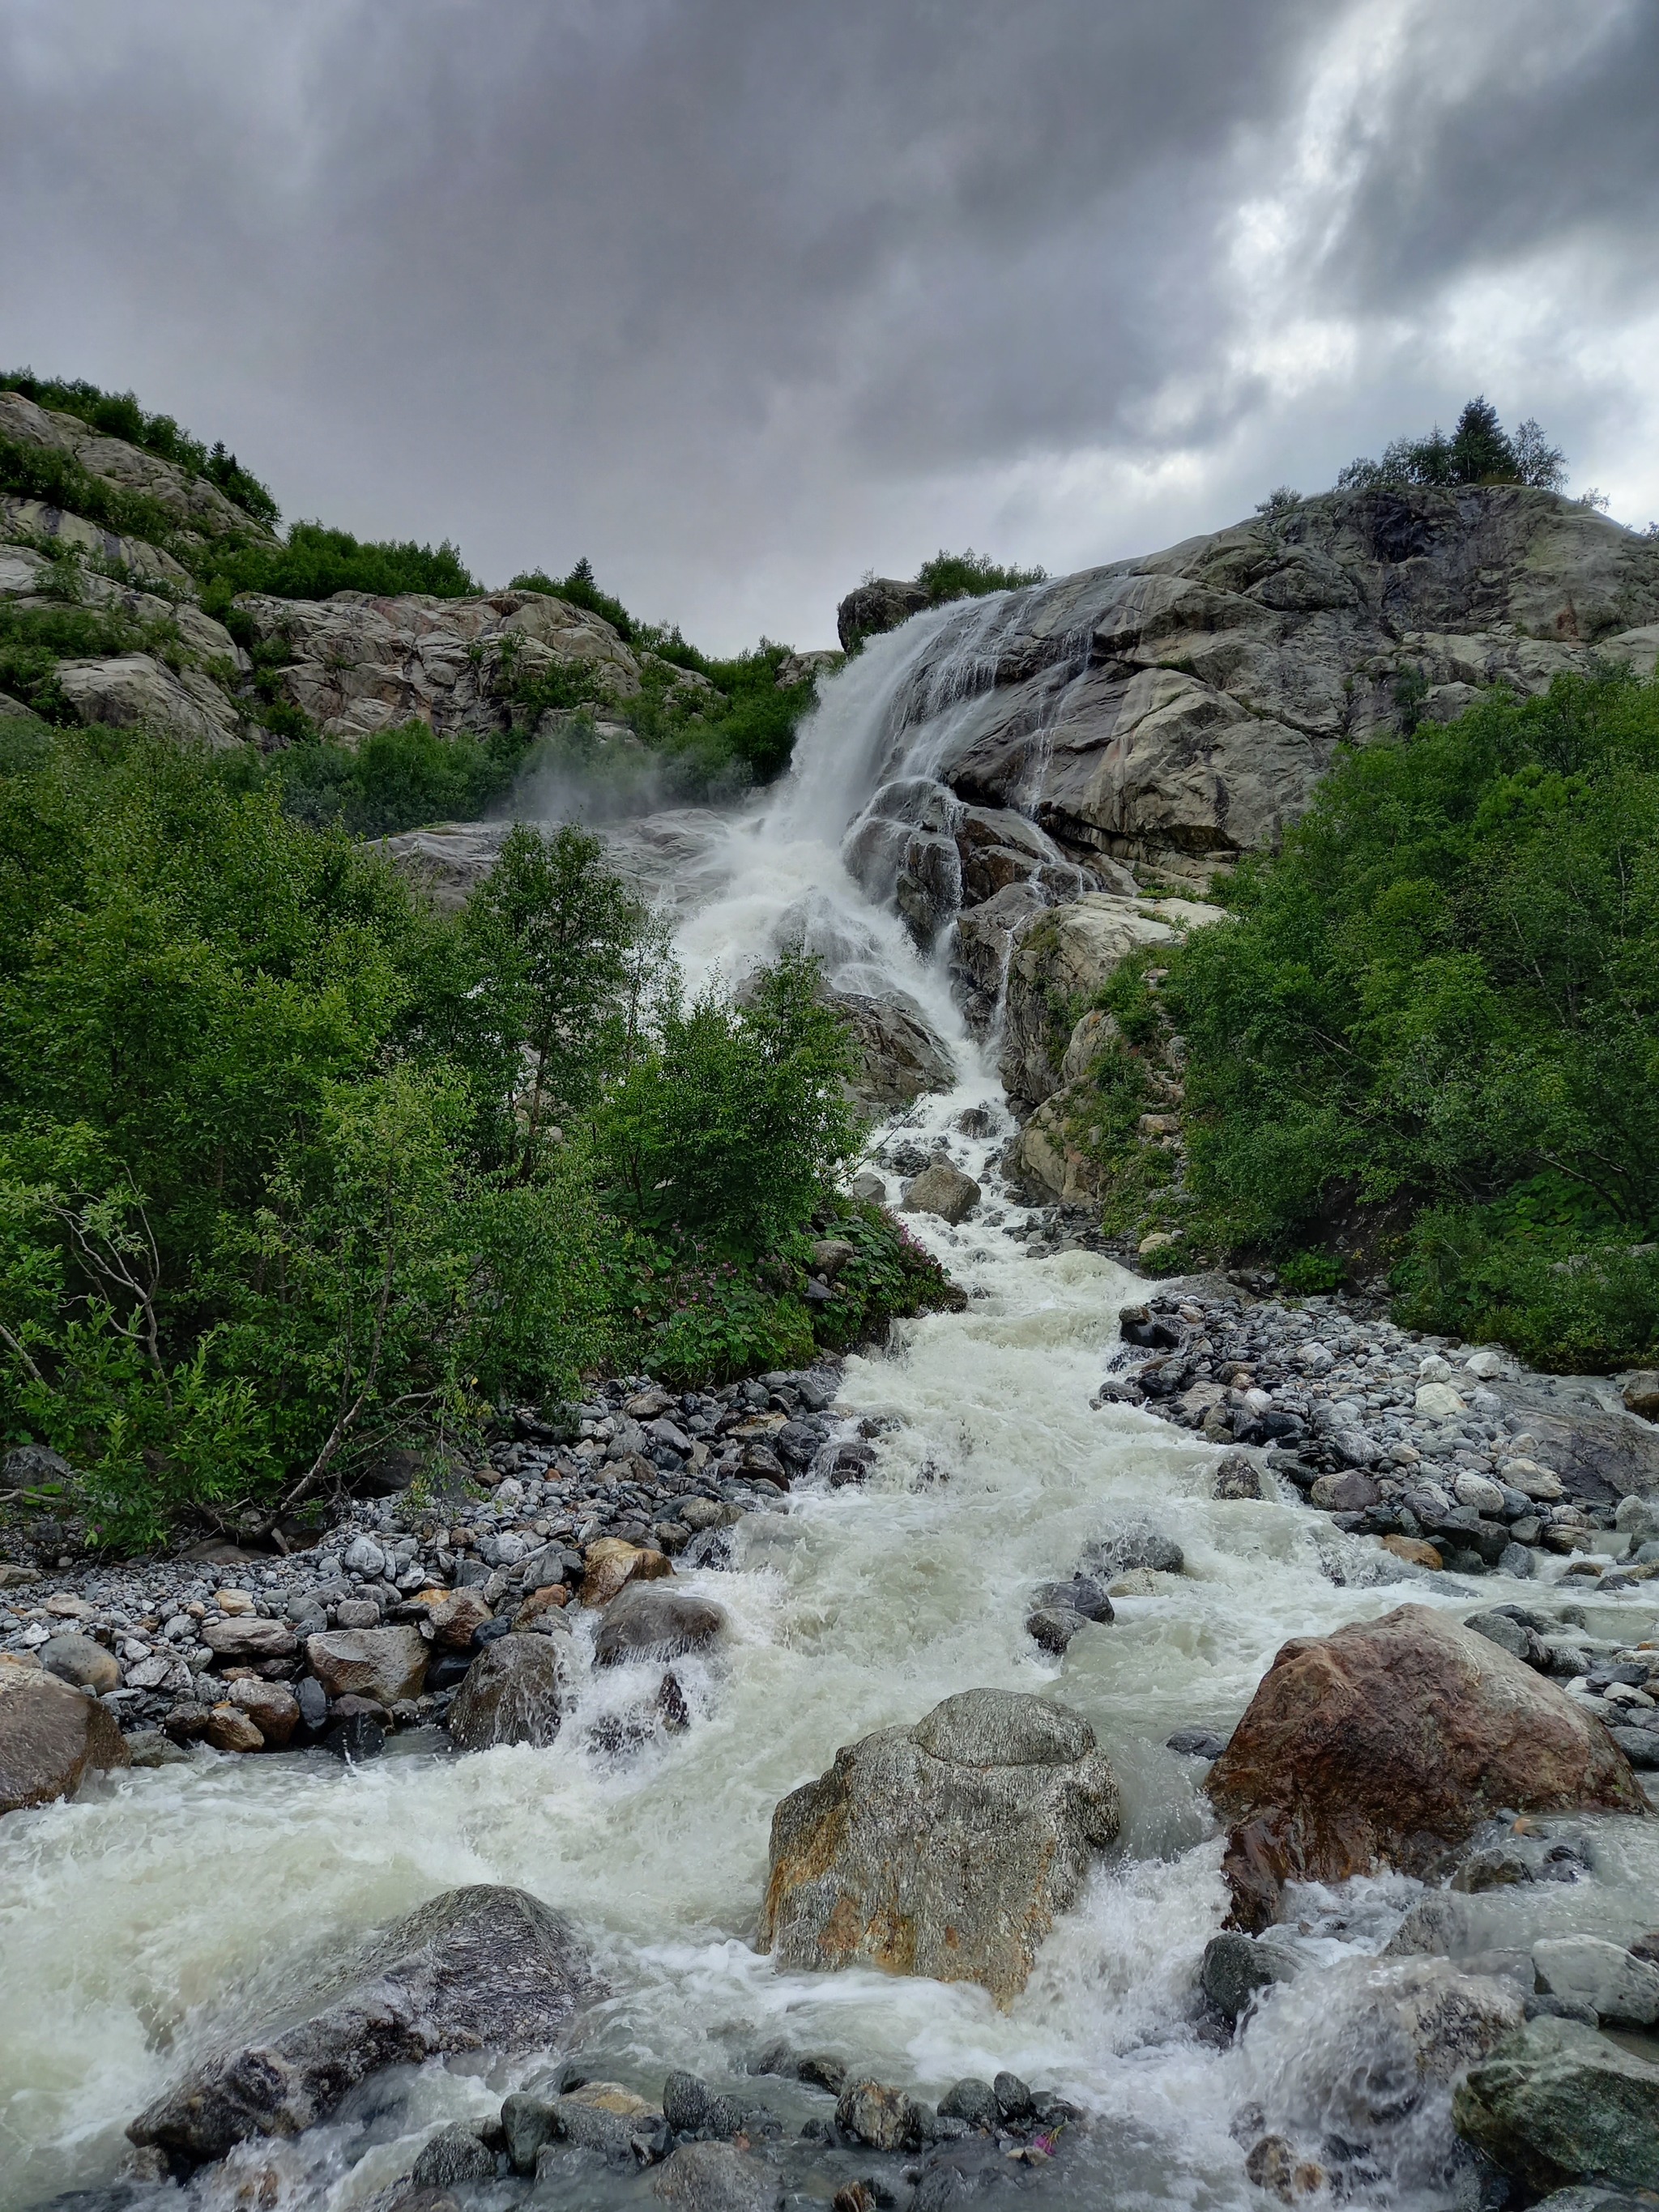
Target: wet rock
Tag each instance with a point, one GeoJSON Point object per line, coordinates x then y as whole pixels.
{"type": "Point", "coordinates": [714, 2178]}
{"type": "Point", "coordinates": [229, 1728]}
{"type": "Point", "coordinates": [972, 2102]}
{"type": "Point", "coordinates": [1273, 2165]}
{"type": "Point", "coordinates": [1414, 1552]}
{"type": "Point", "coordinates": [1238, 1477]}
{"type": "Point", "coordinates": [901, 1055]}
{"type": "Point", "coordinates": [51, 1736]}
{"type": "Point", "coordinates": [1082, 1595]}
{"type": "Point", "coordinates": [645, 1621]}
{"type": "Point", "coordinates": [604, 2116]}
{"type": "Point", "coordinates": [513, 1693]}
{"type": "Point", "coordinates": [455, 1617]}
{"type": "Point", "coordinates": [456, 2153]}
{"type": "Point", "coordinates": [946, 1848]}
{"type": "Point", "coordinates": [942, 1190]}
{"type": "Point", "coordinates": [384, 1663]}
{"type": "Point", "coordinates": [1196, 1743]}
{"type": "Point", "coordinates": [150, 1747]}
{"type": "Point", "coordinates": [482, 1968]}
{"type": "Point", "coordinates": [1559, 2104]}
{"type": "Point", "coordinates": [883, 2118]}
{"type": "Point", "coordinates": [1139, 1547]}
{"type": "Point", "coordinates": [271, 1706]}
{"type": "Point", "coordinates": [610, 1563]}
{"type": "Point", "coordinates": [1389, 1741]}
{"type": "Point", "coordinates": [1052, 1627]}
{"type": "Point", "coordinates": [356, 1738]}
{"type": "Point", "coordinates": [1621, 1989]}
{"type": "Point", "coordinates": [1234, 1967]}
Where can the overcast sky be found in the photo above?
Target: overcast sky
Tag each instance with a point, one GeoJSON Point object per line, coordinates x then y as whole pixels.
{"type": "Point", "coordinates": [743, 298]}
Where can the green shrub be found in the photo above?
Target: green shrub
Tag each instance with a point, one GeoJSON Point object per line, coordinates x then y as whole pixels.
{"type": "Point", "coordinates": [315, 562]}
{"type": "Point", "coordinates": [971, 575]}
{"type": "Point", "coordinates": [57, 479]}
{"type": "Point", "coordinates": [1444, 988]}
{"type": "Point", "coordinates": [1479, 451]}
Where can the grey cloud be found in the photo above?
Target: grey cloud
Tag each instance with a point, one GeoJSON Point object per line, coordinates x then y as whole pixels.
{"type": "Point", "coordinates": [741, 296]}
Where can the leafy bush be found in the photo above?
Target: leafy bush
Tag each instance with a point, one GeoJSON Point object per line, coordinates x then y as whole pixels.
{"type": "Point", "coordinates": [581, 590]}
{"type": "Point", "coordinates": [970, 575]}
{"type": "Point", "coordinates": [1444, 995]}
{"type": "Point", "coordinates": [117, 415]}
{"type": "Point", "coordinates": [280, 1182]}
{"type": "Point", "coordinates": [1479, 451]}
{"type": "Point", "coordinates": [315, 562]}
{"type": "Point", "coordinates": [57, 479]}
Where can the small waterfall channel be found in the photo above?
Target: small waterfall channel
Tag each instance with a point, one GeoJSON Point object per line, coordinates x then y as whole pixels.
{"type": "Point", "coordinates": [142, 1921]}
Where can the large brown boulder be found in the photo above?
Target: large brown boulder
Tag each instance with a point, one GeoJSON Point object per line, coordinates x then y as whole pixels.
{"type": "Point", "coordinates": [383, 1663]}
{"type": "Point", "coordinates": [946, 1849]}
{"type": "Point", "coordinates": [49, 1734]}
{"type": "Point", "coordinates": [1388, 1743]}
{"type": "Point", "coordinates": [484, 1968]}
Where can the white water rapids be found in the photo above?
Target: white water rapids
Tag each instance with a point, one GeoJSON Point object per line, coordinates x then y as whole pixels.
{"type": "Point", "coordinates": [138, 1922]}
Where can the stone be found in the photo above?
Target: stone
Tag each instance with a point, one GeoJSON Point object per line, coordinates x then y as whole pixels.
{"type": "Point", "coordinates": [610, 1563]}
{"type": "Point", "coordinates": [354, 1613]}
{"type": "Point", "coordinates": [249, 1638]}
{"type": "Point", "coordinates": [1477, 1491]}
{"type": "Point", "coordinates": [1622, 1990]}
{"type": "Point", "coordinates": [880, 2117]}
{"type": "Point", "coordinates": [514, 1692]}
{"type": "Point", "coordinates": [485, 1968]}
{"type": "Point", "coordinates": [1532, 1480]}
{"type": "Point", "coordinates": [356, 1737]}
{"type": "Point", "coordinates": [1195, 1743]}
{"type": "Point", "coordinates": [1414, 1551]}
{"type": "Point", "coordinates": [79, 1661]}
{"type": "Point", "coordinates": [1641, 1394]}
{"type": "Point", "coordinates": [942, 1190]}
{"type": "Point", "coordinates": [1388, 1743]}
{"type": "Point", "coordinates": [383, 1663]}
{"type": "Point", "coordinates": [645, 1622]}
{"type": "Point", "coordinates": [972, 2102]}
{"type": "Point", "coordinates": [1234, 1967]}
{"type": "Point", "coordinates": [271, 1706]}
{"type": "Point", "coordinates": [1236, 1477]}
{"type": "Point", "coordinates": [51, 1737]}
{"type": "Point", "coordinates": [1052, 1627]}
{"type": "Point", "coordinates": [229, 1728]}
{"type": "Point", "coordinates": [1347, 1493]}
{"type": "Point", "coordinates": [606, 2118]}
{"type": "Point", "coordinates": [713, 2177]}
{"type": "Point", "coordinates": [456, 2153]}
{"type": "Point", "coordinates": [1438, 1402]}
{"type": "Point", "coordinates": [946, 1848]}
{"type": "Point", "coordinates": [1558, 2103]}
{"type": "Point", "coordinates": [130, 688]}
{"type": "Point", "coordinates": [1497, 1628]}
{"type": "Point", "coordinates": [1637, 1518]}
{"type": "Point", "coordinates": [454, 1616]}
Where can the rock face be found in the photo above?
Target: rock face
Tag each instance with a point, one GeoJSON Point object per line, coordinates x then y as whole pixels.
{"type": "Point", "coordinates": [195, 502]}
{"type": "Point", "coordinates": [49, 1735]}
{"type": "Point", "coordinates": [1068, 953]}
{"type": "Point", "coordinates": [475, 1969]}
{"type": "Point", "coordinates": [513, 1694]}
{"type": "Point", "coordinates": [1388, 1743]}
{"type": "Point", "coordinates": [362, 664]}
{"type": "Point", "coordinates": [879, 606]}
{"type": "Point", "coordinates": [1179, 707]}
{"type": "Point", "coordinates": [132, 688]}
{"type": "Point", "coordinates": [1559, 2104]}
{"type": "Point", "coordinates": [946, 1849]}
{"type": "Point", "coordinates": [901, 1055]}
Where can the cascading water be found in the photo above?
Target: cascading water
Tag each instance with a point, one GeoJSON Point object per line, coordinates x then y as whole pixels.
{"type": "Point", "coordinates": [139, 1921]}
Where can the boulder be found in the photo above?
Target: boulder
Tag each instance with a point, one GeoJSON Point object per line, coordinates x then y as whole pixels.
{"type": "Point", "coordinates": [229, 1728]}
{"type": "Point", "coordinates": [1388, 1743]}
{"type": "Point", "coordinates": [901, 1055]}
{"type": "Point", "coordinates": [946, 1848]}
{"type": "Point", "coordinates": [881, 604]}
{"type": "Point", "coordinates": [713, 2177]}
{"type": "Point", "coordinates": [1068, 953]}
{"type": "Point", "coordinates": [883, 2118]}
{"type": "Point", "coordinates": [249, 1638]}
{"type": "Point", "coordinates": [513, 1693]}
{"type": "Point", "coordinates": [610, 1564]}
{"type": "Point", "coordinates": [644, 1621]}
{"type": "Point", "coordinates": [1235, 1966]}
{"type": "Point", "coordinates": [483, 1968]}
{"type": "Point", "coordinates": [454, 1616]}
{"type": "Point", "coordinates": [383, 1663]}
{"type": "Point", "coordinates": [1558, 2103]}
{"type": "Point", "coordinates": [271, 1706]}
{"type": "Point", "coordinates": [942, 1190]}
{"type": "Point", "coordinates": [456, 2153]}
{"type": "Point", "coordinates": [50, 1736]}
{"type": "Point", "coordinates": [80, 1662]}
{"type": "Point", "coordinates": [1621, 1989]}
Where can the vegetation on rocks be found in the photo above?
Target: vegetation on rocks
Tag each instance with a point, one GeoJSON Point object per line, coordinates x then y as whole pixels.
{"type": "Point", "coordinates": [1480, 451]}
{"type": "Point", "coordinates": [1433, 1024]}
{"type": "Point", "coordinates": [294, 1169]}
{"type": "Point", "coordinates": [970, 575]}
{"type": "Point", "coordinates": [119, 415]}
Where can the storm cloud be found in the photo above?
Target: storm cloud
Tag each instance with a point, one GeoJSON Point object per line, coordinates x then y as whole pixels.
{"type": "Point", "coordinates": [744, 297]}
